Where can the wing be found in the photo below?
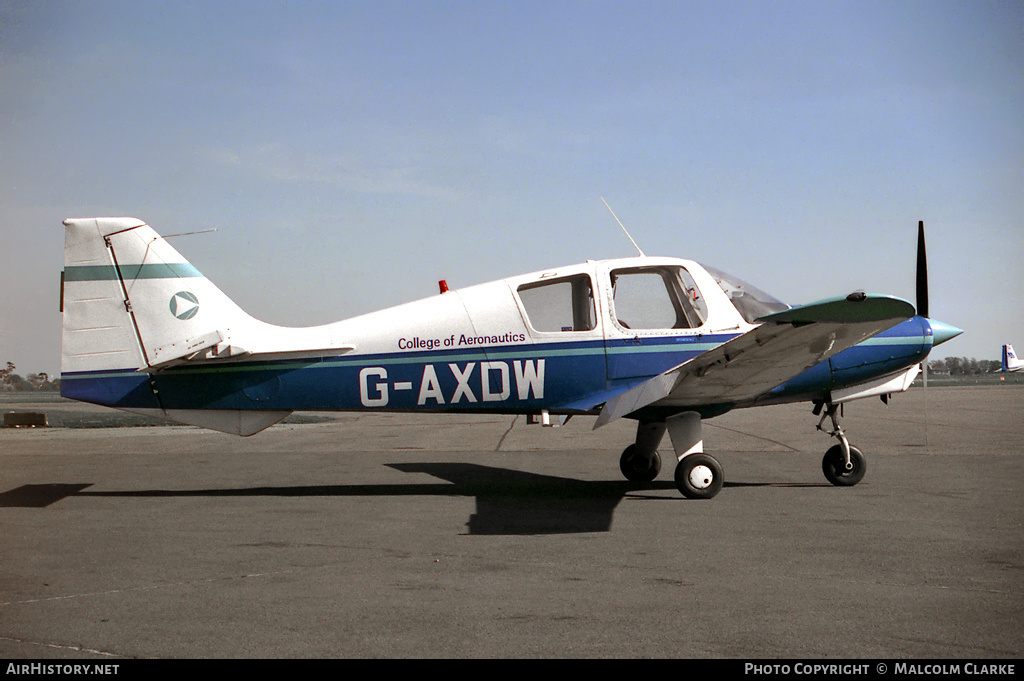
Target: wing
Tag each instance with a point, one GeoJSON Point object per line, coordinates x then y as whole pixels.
{"type": "Point", "coordinates": [783, 346]}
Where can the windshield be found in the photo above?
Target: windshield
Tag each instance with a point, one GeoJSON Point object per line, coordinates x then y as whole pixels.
{"type": "Point", "coordinates": [751, 302]}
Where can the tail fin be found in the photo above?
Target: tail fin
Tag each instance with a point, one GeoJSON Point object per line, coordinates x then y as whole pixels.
{"type": "Point", "coordinates": [134, 309]}
{"type": "Point", "coordinates": [1010, 361]}
{"type": "Point", "coordinates": [133, 306]}
{"type": "Point", "coordinates": [131, 301]}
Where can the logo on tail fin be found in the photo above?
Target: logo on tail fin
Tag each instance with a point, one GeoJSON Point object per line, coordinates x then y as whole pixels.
{"type": "Point", "coordinates": [184, 305]}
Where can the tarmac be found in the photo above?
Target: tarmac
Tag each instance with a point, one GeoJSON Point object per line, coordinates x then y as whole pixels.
{"type": "Point", "coordinates": [408, 536]}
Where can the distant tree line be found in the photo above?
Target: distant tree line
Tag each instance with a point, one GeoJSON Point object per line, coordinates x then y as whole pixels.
{"type": "Point", "coordinates": [10, 381]}
{"type": "Point", "coordinates": [964, 366]}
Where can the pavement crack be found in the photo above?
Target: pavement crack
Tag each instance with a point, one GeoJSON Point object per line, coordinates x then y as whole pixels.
{"type": "Point", "coordinates": [505, 435]}
{"type": "Point", "coordinates": [756, 437]}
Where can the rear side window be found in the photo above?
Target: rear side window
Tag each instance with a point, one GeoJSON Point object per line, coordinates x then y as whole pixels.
{"type": "Point", "coordinates": [560, 305]}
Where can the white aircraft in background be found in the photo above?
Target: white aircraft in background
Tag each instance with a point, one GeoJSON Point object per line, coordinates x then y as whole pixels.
{"type": "Point", "coordinates": [1010, 361]}
{"type": "Point", "coordinates": [662, 341]}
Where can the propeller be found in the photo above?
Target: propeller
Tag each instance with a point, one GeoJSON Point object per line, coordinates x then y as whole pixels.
{"type": "Point", "coordinates": [922, 310]}
{"type": "Point", "coordinates": [940, 331]}
{"type": "Point", "coordinates": [922, 272]}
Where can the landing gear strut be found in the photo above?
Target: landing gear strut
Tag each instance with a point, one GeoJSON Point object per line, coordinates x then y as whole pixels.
{"type": "Point", "coordinates": [843, 464]}
{"type": "Point", "coordinates": [698, 475]}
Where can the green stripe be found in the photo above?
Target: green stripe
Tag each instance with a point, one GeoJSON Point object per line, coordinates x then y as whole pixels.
{"type": "Point", "coordinates": [892, 340]}
{"type": "Point", "coordinates": [178, 270]}
{"type": "Point", "coordinates": [697, 348]}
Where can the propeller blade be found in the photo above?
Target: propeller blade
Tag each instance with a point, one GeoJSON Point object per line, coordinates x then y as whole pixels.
{"type": "Point", "coordinates": [922, 309]}
{"type": "Point", "coordinates": [922, 273]}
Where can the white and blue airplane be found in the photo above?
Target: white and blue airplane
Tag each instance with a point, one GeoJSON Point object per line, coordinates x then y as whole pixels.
{"type": "Point", "coordinates": [1010, 361]}
{"type": "Point", "coordinates": [663, 341]}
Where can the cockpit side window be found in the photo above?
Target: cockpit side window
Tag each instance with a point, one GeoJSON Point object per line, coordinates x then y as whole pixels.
{"type": "Point", "coordinates": [657, 297]}
{"type": "Point", "coordinates": [565, 304]}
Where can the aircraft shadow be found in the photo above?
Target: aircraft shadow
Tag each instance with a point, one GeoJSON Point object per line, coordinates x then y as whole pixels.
{"type": "Point", "coordinates": [507, 501]}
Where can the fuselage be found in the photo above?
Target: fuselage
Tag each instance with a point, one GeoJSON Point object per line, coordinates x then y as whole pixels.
{"type": "Point", "coordinates": [557, 340]}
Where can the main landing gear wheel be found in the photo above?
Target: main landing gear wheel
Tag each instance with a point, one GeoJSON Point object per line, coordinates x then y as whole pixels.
{"type": "Point", "coordinates": [635, 469]}
{"type": "Point", "coordinates": [699, 476]}
{"type": "Point", "coordinates": [833, 465]}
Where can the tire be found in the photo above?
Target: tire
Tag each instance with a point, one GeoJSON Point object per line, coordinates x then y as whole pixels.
{"type": "Point", "coordinates": [832, 465]}
{"type": "Point", "coordinates": [699, 476]}
{"type": "Point", "coordinates": [629, 462]}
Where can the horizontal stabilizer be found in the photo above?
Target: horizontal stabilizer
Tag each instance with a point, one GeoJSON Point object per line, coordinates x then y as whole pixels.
{"type": "Point", "coordinates": [216, 347]}
{"type": "Point", "coordinates": [189, 347]}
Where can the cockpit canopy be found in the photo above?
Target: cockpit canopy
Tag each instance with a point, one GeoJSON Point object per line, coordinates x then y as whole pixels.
{"type": "Point", "coordinates": [749, 301]}
{"type": "Point", "coordinates": [641, 295]}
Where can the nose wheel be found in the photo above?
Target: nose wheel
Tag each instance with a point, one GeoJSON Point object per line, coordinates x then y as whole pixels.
{"type": "Point", "coordinates": [841, 471]}
{"type": "Point", "coordinates": [843, 464]}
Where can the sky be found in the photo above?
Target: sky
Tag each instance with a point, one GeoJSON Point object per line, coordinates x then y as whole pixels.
{"type": "Point", "coordinates": [350, 154]}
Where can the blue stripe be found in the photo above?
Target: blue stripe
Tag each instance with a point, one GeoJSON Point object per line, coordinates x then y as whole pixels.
{"type": "Point", "coordinates": [572, 372]}
{"type": "Point", "coordinates": [334, 385]}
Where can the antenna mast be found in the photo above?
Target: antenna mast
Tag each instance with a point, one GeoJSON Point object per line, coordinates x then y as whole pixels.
{"type": "Point", "coordinates": [642, 254]}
